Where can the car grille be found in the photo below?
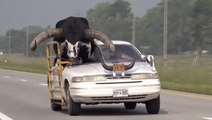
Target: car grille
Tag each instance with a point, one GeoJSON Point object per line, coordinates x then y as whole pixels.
{"type": "Point", "coordinates": [124, 79]}
{"type": "Point", "coordinates": [132, 97]}
{"type": "Point", "coordinates": [118, 76]}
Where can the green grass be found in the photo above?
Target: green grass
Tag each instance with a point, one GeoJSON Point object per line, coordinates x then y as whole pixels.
{"type": "Point", "coordinates": [177, 74]}
{"type": "Point", "coordinates": [20, 63]}
{"type": "Point", "coordinates": [187, 78]}
{"type": "Point", "coordinates": [180, 74]}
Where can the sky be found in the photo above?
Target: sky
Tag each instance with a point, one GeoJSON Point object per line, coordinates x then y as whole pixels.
{"type": "Point", "coordinates": [16, 14]}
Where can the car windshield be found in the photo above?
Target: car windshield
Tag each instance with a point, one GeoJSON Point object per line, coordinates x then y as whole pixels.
{"type": "Point", "coordinates": [123, 53]}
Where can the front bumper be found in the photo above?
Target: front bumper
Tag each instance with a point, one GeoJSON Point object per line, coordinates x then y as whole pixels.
{"type": "Point", "coordinates": [103, 92]}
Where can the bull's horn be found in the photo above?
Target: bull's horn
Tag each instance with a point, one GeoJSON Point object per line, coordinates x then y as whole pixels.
{"type": "Point", "coordinates": [127, 67]}
{"type": "Point", "coordinates": [107, 67]}
{"type": "Point", "coordinates": [52, 32]}
{"type": "Point", "coordinates": [89, 33]}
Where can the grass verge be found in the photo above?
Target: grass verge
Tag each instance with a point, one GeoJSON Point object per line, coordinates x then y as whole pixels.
{"type": "Point", "coordinates": [20, 63]}
{"type": "Point", "coordinates": [179, 73]}
{"type": "Point", "coordinates": [197, 79]}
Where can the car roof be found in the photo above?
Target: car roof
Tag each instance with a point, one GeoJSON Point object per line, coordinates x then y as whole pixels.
{"type": "Point", "coordinates": [114, 42]}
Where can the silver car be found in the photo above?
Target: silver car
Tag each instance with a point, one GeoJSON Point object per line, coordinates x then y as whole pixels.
{"type": "Point", "coordinates": [126, 76]}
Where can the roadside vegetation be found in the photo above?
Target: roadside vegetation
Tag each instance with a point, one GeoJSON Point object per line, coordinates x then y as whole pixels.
{"type": "Point", "coordinates": [180, 74]}
{"type": "Point", "coordinates": [177, 74]}
{"type": "Point", "coordinates": [21, 63]}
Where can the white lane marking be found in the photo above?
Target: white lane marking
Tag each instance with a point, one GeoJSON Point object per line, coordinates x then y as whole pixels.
{"type": "Point", "coordinates": [6, 76]}
{"type": "Point", "coordinates": [23, 80]}
{"type": "Point", "coordinates": [4, 117]}
{"type": "Point", "coordinates": [206, 118]}
{"type": "Point", "coordinates": [43, 84]}
{"type": "Point", "coordinates": [185, 94]}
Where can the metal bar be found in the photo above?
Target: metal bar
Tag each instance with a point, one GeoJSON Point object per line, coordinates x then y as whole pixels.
{"type": "Point", "coordinates": [27, 41]}
{"type": "Point", "coordinates": [165, 33]}
{"type": "Point", "coordinates": [133, 30]}
{"type": "Point", "coordinates": [60, 69]}
{"type": "Point", "coordinates": [49, 73]}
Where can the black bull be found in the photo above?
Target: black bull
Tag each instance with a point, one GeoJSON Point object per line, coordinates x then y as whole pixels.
{"type": "Point", "coordinates": [76, 29]}
{"type": "Point", "coordinates": [73, 29]}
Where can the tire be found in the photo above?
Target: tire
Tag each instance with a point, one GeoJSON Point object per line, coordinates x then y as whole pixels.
{"type": "Point", "coordinates": [153, 106]}
{"type": "Point", "coordinates": [73, 108]}
{"type": "Point", "coordinates": [130, 105]}
{"type": "Point", "coordinates": [55, 107]}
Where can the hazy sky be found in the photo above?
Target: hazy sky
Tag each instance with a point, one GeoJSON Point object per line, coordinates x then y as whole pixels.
{"type": "Point", "coordinates": [20, 13]}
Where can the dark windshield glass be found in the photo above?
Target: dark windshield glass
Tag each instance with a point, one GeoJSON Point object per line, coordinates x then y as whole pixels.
{"type": "Point", "coordinates": [123, 53]}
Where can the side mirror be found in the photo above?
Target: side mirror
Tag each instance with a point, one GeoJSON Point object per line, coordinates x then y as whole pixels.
{"type": "Point", "coordinates": [143, 58]}
{"type": "Point", "coordinates": [150, 60]}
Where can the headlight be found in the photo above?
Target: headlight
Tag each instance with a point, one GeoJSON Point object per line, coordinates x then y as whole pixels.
{"type": "Point", "coordinates": [93, 78]}
{"type": "Point", "coordinates": [77, 79]}
{"type": "Point", "coordinates": [144, 76]}
{"type": "Point", "coordinates": [88, 79]}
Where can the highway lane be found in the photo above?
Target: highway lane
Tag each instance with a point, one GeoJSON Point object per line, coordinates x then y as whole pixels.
{"type": "Point", "coordinates": [24, 96]}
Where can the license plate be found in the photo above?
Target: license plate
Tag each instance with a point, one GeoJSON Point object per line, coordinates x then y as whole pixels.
{"type": "Point", "coordinates": [120, 93]}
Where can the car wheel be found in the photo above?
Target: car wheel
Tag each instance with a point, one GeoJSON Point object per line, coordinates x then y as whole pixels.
{"type": "Point", "coordinates": [153, 106]}
{"type": "Point", "coordinates": [73, 108]}
{"type": "Point", "coordinates": [55, 107]}
{"type": "Point", "coordinates": [130, 105]}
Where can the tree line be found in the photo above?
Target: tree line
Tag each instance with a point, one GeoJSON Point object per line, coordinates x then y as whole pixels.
{"type": "Point", "coordinates": [17, 41]}
{"type": "Point", "coordinates": [189, 27]}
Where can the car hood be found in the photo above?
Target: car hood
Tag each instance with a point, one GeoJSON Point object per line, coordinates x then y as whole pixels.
{"type": "Point", "coordinates": [97, 69]}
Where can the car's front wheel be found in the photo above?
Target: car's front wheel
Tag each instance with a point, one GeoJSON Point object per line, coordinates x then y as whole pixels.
{"type": "Point", "coordinates": [55, 107]}
{"type": "Point", "coordinates": [153, 106]}
{"type": "Point", "coordinates": [73, 108]}
{"type": "Point", "coordinates": [130, 105]}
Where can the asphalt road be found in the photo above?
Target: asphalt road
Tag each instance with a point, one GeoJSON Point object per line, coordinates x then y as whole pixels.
{"type": "Point", "coordinates": [24, 96]}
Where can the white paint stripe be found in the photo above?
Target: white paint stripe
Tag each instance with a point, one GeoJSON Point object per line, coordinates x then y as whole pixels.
{"type": "Point", "coordinates": [43, 84]}
{"type": "Point", "coordinates": [206, 118]}
{"type": "Point", "coordinates": [185, 94]}
{"type": "Point", "coordinates": [6, 76]}
{"type": "Point", "coordinates": [23, 80]}
{"type": "Point", "coordinates": [4, 117]}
